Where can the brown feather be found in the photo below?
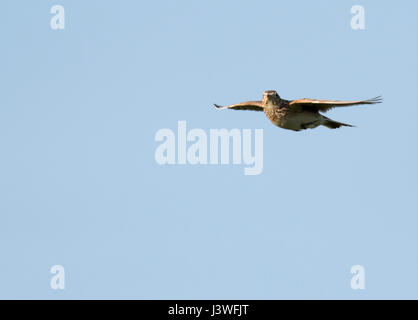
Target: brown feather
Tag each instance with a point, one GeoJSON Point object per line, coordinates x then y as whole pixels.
{"type": "Point", "coordinates": [248, 105]}
{"type": "Point", "coordinates": [325, 105]}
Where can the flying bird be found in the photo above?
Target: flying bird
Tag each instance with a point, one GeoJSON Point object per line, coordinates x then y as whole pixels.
{"type": "Point", "coordinates": [298, 114]}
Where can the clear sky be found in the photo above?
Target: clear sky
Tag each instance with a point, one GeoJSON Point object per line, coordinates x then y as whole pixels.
{"type": "Point", "coordinates": [79, 185]}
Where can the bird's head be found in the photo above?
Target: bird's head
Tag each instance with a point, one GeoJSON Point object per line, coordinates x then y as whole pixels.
{"type": "Point", "coordinates": [271, 96]}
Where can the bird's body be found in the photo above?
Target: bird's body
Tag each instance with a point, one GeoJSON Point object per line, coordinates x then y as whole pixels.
{"type": "Point", "coordinates": [297, 114]}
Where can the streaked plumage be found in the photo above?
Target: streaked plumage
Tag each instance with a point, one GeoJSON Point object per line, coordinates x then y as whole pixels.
{"type": "Point", "coordinates": [297, 114]}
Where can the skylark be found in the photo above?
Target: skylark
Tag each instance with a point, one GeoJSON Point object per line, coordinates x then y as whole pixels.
{"type": "Point", "coordinates": [297, 114]}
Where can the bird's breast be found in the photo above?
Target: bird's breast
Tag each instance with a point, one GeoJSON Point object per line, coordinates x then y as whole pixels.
{"type": "Point", "coordinates": [289, 119]}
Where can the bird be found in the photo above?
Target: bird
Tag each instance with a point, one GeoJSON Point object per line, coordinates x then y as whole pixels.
{"type": "Point", "coordinates": [297, 114]}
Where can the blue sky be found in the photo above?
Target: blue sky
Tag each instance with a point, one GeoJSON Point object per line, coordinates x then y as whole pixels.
{"type": "Point", "coordinates": [79, 185]}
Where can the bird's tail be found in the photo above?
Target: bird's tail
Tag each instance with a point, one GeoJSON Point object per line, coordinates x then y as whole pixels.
{"type": "Point", "coordinates": [329, 123]}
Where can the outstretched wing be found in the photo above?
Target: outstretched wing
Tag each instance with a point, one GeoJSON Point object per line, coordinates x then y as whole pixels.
{"type": "Point", "coordinates": [249, 105]}
{"type": "Point", "coordinates": [325, 105]}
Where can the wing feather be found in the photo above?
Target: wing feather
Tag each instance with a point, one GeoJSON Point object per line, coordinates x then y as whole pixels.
{"type": "Point", "coordinates": [325, 105]}
{"type": "Point", "coordinates": [248, 105]}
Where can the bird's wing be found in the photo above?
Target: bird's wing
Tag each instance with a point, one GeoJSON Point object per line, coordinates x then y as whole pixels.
{"type": "Point", "coordinates": [325, 105]}
{"type": "Point", "coordinates": [249, 105]}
